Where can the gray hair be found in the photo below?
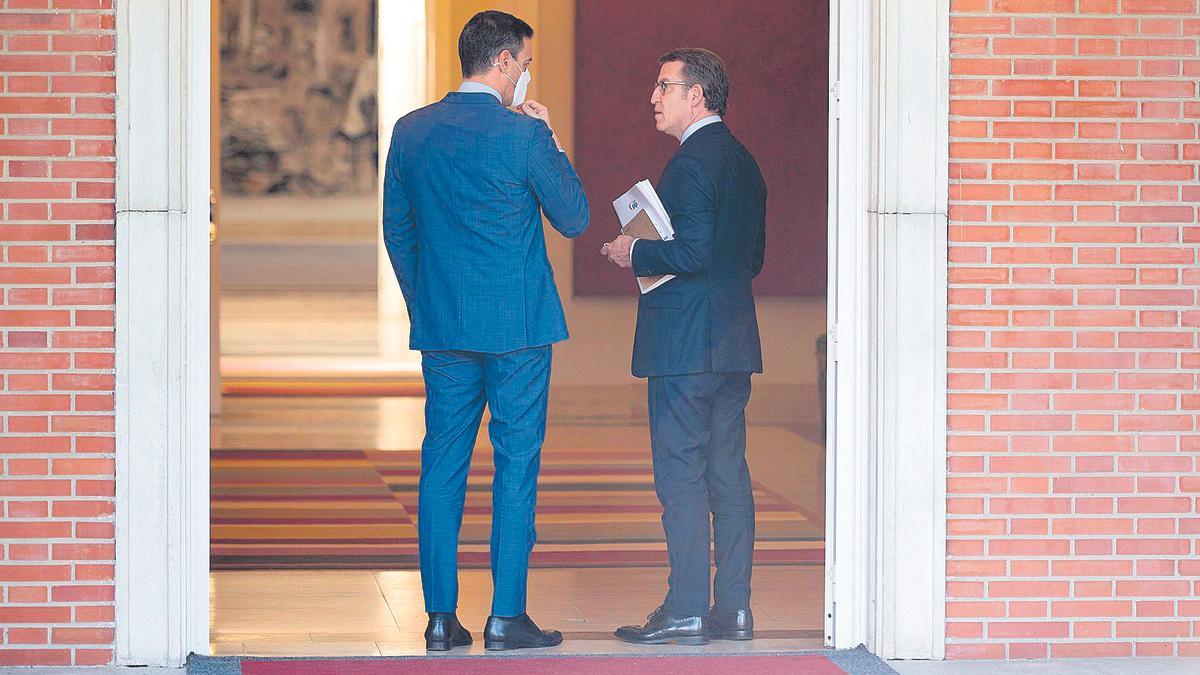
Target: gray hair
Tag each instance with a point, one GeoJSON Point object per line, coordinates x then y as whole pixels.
{"type": "Point", "coordinates": [706, 69]}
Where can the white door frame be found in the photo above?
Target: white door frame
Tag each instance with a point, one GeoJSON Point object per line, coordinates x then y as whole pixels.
{"type": "Point", "coordinates": [887, 209]}
{"type": "Point", "coordinates": [162, 331]}
{"type": "Point", "coordinates": [889, 75]}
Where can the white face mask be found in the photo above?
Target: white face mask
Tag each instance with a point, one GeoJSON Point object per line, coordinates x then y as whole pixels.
{"type": "Point", "coordinates": [520, 87]}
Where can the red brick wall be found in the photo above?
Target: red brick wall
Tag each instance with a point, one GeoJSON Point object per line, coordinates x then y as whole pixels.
{"type": "Point", "coordinates": [56, 331]}
{"type": "Point", "coordinates": [1073, 481]}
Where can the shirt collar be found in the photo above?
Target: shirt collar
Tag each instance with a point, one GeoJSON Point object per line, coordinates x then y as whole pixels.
{"type": "Point", "coordinates": [479, 88]}
{"type": "Point", "coordinates": [697, 125]}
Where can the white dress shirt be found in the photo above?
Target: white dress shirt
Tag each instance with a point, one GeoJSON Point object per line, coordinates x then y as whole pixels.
{"type": "Point", "coordinates": [479, 88]}
{"type": "Point", "coordinates": [697, 125]}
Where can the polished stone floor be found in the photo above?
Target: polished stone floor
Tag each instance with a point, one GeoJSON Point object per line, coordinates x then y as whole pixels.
{"type": "Point", "coordinates": [364, 612]}
{"type": "Point", "coordinates": [346, 613]}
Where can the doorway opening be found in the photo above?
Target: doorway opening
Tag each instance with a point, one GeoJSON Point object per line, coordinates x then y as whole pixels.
{"type": "Point", "coordinates": [315, 447]}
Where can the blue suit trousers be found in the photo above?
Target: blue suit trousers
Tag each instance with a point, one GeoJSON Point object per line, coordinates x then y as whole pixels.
{"type": "Point", "coordinates": [698, 442]}
{"type": "Point", "coordinates": [458, 384]}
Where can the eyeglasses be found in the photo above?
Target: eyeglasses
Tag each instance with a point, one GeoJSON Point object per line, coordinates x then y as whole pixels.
{"type": "Point", "coordinates": [663, 84]}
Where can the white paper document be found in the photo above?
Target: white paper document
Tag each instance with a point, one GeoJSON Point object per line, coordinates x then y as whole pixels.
{"type": "Point", "coordinates": [642, 215]}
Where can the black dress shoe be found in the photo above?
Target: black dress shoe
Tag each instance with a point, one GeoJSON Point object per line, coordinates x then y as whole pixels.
{"type": "Point", "coordinates": [517, 632]}
{"type": "Point", "coordinates": [731, 624]}
{"type": "Point", "coordinates": [444, 632]}
{"type": "Point", "coordinates": [662, 628]}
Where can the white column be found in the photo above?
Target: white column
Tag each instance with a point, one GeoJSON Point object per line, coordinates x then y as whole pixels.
{"type": "Point", "coordinates": [162, 331]}
{"type": "Point", "coordinates": [887, 554]}
{"type": "Point", "coordinates": [849, 501]}
{"type": "Point", "coordinates": [910, 223]}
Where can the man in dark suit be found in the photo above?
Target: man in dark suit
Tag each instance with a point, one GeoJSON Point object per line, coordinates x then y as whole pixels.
{"type": "Point", "coordinates": [467, 180]}
{"type": "Point", "coordinates": [697, 343]}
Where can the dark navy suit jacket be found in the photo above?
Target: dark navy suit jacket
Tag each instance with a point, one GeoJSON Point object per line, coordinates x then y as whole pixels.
{"type": "Point", "coordinates": [464, 181]}
{"type": "Point", "coordinates": [704, 320]}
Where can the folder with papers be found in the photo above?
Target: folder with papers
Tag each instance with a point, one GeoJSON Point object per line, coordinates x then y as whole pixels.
{"type": "Point", "coordinates": [642, 215]}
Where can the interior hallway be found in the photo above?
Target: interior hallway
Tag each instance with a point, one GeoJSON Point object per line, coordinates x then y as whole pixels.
{"type": "Point", "coordinates": [304, 477]}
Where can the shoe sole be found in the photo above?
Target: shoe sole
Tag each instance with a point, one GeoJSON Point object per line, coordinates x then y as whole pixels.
{"type": "Point", "coordinates": [443, 645]}
{"type": "Point", "coordinates": [509, 646]}
{"type": "Point", "coordinates": [690, 641]}
{"type": "Point", "coordinates": [736, 635]}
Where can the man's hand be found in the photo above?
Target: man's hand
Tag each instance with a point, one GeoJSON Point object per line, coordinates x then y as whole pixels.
{"type": "Point", "coordinates": [617, 251]}
{"type": "Point", "coordinates": [532, 108]}
{"type": "Point", "coordinates": [535, 109]}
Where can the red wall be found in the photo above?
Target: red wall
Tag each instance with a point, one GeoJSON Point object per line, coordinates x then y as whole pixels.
{"type": "Point", "coordinates": [777, 55]}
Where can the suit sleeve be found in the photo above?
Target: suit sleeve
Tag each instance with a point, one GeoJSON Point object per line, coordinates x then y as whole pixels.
{"type": "Point", "coordinates": [399, 226]}
{"type": "Point", "coordinates": [691, 203]}
{"type": "Point", "coordinates": [759, 242]}
{"type": "Point", "coordinates": [556, 185]}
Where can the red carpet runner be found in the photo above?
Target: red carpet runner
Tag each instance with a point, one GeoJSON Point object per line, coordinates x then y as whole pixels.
{"type": "Point", "coordinates": [798, 664]}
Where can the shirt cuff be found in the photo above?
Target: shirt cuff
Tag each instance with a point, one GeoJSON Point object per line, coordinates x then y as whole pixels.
{"type": "Point", "coordinates": [631, 245]}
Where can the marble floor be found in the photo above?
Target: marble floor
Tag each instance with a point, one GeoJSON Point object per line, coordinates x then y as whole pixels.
{"type": "Point", "coordinates": [275, 323]}
{"type": "Point", "coordinates": [363, 612]}
{"type": "Point", "coordinates": [359, 613]}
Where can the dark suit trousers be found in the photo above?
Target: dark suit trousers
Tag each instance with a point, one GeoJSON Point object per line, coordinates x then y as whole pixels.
{"type": "Point", "coordinates": [457, 386]}
{"type": "Point", "coordinates": [698, 440]}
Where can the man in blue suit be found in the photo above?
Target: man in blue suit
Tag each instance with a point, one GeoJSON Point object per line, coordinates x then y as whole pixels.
{"type": "Point", "coordinates": [697, 343]}
{"type": "Point", "coordinates": [467, 180]}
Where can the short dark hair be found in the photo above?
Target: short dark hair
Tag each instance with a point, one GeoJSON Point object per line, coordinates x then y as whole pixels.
{"type": "Point", "coordinates": [706, 69]}
{"type": "Point", "coordinates": [485, 36]}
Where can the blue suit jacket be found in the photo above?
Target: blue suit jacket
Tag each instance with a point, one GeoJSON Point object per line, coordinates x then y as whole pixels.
{"type": "Point", "coordinates": [704, 320]}
{"type": "Point", "coordinates": [464, 181]}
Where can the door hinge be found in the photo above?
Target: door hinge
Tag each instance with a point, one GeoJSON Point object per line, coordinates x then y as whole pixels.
{"type": "Point", "coordinates": [835, 99]}
{"type": "Point", "coordinates": [833, 343]}
{"type": "Point", "coordinates": [829, 627]}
